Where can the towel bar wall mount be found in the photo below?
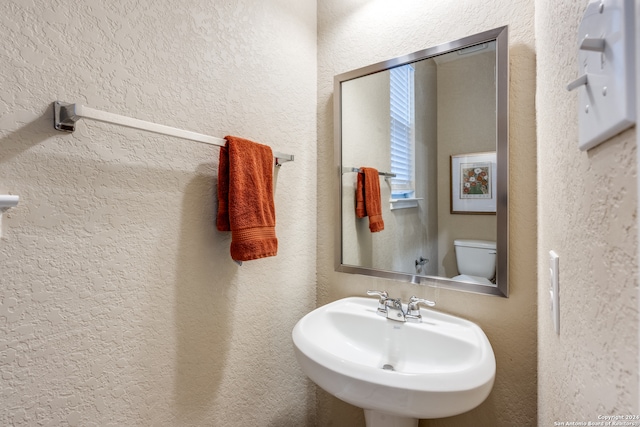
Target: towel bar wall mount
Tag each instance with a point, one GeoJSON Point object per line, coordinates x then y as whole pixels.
{"type": "Point", "coordinates": [66, 115]}
{"type": "Point", "coordinates": [6, 202]}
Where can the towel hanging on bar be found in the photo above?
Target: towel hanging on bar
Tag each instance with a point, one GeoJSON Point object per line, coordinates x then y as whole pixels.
{"type": "Point", "coordinates": [245, 199]}
{"type": "Point", "coordinates": [368, 202]}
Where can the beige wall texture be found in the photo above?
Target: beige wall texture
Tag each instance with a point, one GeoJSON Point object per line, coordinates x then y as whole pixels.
{"type": "Point", "coordinates": [119, 303]}
{"type": "Point", "coordinates": [587, 214]}
{"type": "Point", "coordinates": [357, 33]}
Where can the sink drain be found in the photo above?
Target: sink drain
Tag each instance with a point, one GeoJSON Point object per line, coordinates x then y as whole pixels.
{"type": "Point", "coordinates": [388, 367]}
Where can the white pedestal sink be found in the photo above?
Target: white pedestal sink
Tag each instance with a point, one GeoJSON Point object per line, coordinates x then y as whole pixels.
{"type": "Point", "coordinates": [397, 372]}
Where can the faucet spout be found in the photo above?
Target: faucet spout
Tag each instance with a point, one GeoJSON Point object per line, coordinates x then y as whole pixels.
{"type": "Point", "coordinates": [394, 310]}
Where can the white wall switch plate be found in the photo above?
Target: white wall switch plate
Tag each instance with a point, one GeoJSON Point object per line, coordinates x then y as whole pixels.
{"type": "Point", "coordinates": [606, 62]}
{"type": "Point", "coordinates": [554, 289]}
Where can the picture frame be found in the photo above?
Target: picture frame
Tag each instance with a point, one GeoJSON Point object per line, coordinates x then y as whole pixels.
{"type": "Point", "coordinates": [473, 183]}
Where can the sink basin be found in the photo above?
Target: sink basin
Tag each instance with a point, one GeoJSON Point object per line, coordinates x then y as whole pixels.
{"type": "Point", "coordinates": [440, 367]}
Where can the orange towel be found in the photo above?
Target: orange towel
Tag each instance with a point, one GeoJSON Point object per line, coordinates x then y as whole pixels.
{"type": "Point", "coordinates": [245, 199]}
{"type": "Point", "coordinates": [368, 201]}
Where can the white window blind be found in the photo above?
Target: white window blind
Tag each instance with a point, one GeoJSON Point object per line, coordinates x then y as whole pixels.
{"type": "Point", "coordinates": [402, 131]}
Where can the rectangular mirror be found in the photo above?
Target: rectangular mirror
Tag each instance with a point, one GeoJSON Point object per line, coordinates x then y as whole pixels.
{"type": "Point", "coordinates": [434, 124]}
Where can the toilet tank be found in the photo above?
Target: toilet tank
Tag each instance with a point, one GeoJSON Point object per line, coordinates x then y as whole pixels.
{"type": "Point", "coordinates": [476, 257]}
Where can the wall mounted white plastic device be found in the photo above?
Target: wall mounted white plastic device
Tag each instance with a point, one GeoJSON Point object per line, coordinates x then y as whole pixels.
{"type": "Point", "coordinates": [606, 64]}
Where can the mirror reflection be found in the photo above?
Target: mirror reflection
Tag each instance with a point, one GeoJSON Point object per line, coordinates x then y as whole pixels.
{"type": "Point", "coordinates": [418, 152]}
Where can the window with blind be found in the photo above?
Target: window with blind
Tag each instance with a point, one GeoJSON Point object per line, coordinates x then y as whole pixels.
{"type": "Point", "coordinates": [402, 132]}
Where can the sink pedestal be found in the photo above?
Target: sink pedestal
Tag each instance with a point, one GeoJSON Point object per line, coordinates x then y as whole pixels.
{"type": "Point", "coordinates": [380, 419]}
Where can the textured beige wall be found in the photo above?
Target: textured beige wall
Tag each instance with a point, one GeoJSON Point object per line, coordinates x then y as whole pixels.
{"type": "Point", "coordinates": [355, 33]}
{"type": "Point", "coordinates": [119, 304]}
{"type": "Point", "coordinates": [586, 213]}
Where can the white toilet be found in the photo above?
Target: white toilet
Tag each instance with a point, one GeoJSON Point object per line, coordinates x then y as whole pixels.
{"type": "Point", "coordinates": [476, 261]}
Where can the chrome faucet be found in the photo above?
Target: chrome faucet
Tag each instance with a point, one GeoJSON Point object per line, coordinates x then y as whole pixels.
{"type": "Point", "coordinates": [413, 308]}
{"type": "Point", "coordinates": [392, 308]}
{"type": "Point", "coordinates": [382, 303]}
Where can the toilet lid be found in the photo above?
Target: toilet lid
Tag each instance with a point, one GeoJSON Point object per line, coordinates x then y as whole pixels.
{"type": "Point", "coordinates": [473, 279]}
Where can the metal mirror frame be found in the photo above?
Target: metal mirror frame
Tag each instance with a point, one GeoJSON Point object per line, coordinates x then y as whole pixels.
{"type": "Point", "coordinates": [500, 36]}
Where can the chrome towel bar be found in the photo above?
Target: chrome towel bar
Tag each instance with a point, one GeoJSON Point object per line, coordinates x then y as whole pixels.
{"type": "Point", "coordinates": [385, 174]}
{"type": "Point", "coordinates": [66, 115]}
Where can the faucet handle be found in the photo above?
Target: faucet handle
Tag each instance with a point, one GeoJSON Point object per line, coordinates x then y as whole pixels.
{"type": "Point", "coordinates": [381, 294]}
{"type": "Point", "coordinates": [382, 309]}
{"type": "Point", "coordinates": [414, 301]}
{"type": "Point", "coordinates": [413, 308]}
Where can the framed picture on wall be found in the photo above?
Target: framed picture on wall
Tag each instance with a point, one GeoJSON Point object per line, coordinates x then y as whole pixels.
{"type": "Point", "coordinates": [473, 183]}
